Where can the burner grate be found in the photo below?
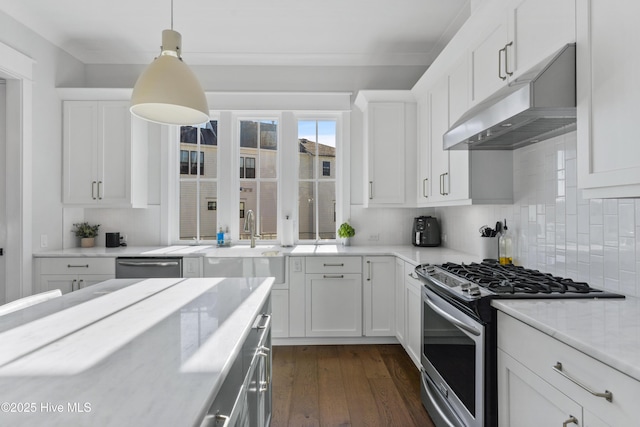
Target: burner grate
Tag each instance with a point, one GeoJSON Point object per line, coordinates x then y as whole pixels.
{"type": "Point", "coordinates": [512, 279]}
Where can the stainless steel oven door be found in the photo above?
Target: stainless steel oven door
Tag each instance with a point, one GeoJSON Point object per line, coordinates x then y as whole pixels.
{"type": "Point", "coordinates": [452, 358]}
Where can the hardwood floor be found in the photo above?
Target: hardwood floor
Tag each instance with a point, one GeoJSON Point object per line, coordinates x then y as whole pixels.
{"type": "Point", "coordinates": [346, 385]}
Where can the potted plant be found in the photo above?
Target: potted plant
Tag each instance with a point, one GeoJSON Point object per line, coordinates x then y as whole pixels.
{"type": "Point", "coordinates": [87, 233]}
{"type": "Point", "coordinates": [346, 231]}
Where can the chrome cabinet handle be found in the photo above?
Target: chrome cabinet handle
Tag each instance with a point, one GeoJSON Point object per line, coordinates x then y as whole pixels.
{"type": "Point", "coordinates": [99, 190]}
{"type": "Point", "coordinates": [148, 263]}
{"type": "Point", "coordinates": [571, 420]}
{"type": "Point", "coordinates": [216, 419]}
{"type": "Point", "coordinates": [333, 265]}
{"type": "Point", "coordinates": [442, 192]}
{"type": "Point", "coordinates": [73, 285]}
{"type": "Point", "coordinates": [93, 190]}
{"type": "Point", "coordinates": [267, 321]}
{"type": "Point", "coordinates": [369, 272]}
{"type": "Point", "coordinates": [457, 323]}
{"type": "Point", "coordinates": [80, 284]}
{"type": "Point", "coordinates": [506, 59]}
{"type": "Point", "coordinates": [412, 276]}
{"type": "Point", "coordinates": [264, 352]}
{"type": "Point", "coordinates": [424, 187]}
{"type": "Point", "coordinates": [606, 395]}
{"type": "Point", "coordinates": [500, 76]}
{"type": "Point", "coordinates": [333, 276]}
{"type": "Point", "coordinates": [370, 190]}
{"type": "Point", "coordinates": [445, 175]}
{"type": "Point", "coordinates": [78, 266]}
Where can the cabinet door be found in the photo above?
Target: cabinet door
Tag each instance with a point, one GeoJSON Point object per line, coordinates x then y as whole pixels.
{"type": "Point", "coordinates": [537, 28]}
{"type": "Point", "coordinates": [65, 282]}
{"type": "Point", "coordinates": [413, 318]}
{"type": "Point", "coordinates": [608, 87]}
{"type": "Point", "coordinates": [399, 299]}
{"type": "Point", "coordinates": [438, 125]}
{"type": "Point", "coordinates": [280, 313]}
{"type": "Point", "coordinates": [423, 195]}
{"type": "Point", "coordinates": [80, 152]}
{"type": "Point", "coordinates": [114, 148]}
{"type": "Point", "coordinates": [488, 72]}
{"type": "Point", "coordinates": [333, 304]}
{"type": "Point", "coordinates": [386, 153]}
{"type": "Point", "coordinates": [526, 400]}
{"type": "Point", "coordinates": [85, 280]}
{"type": "Point", "coordinates": [458, 177]}
{"type": "Point", "coordinates": [379, 296]}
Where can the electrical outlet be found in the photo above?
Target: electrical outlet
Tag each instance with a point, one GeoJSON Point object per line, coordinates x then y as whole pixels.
{"type": "Point", "coordinates": [297, 265]}
{"type": "Point", "coordinates": [374, 237]}
{"type": "Point", "coordinates": [44, 241]}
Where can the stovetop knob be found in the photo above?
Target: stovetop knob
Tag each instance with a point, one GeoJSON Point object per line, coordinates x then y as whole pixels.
{"type": "Point", "coordinates": [465, 286]}
{"type": "Point", "coordinates": [474, 291]}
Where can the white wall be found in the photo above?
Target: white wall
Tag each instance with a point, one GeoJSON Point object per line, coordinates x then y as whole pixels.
{"type": "Point", "coordinates": [556, 230]}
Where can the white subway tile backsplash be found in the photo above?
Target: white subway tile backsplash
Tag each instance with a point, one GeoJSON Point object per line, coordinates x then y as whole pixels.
{"type": "Point", "coordinates": [558, 231]}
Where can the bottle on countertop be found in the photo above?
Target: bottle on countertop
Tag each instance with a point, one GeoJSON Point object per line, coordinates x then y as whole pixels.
{"type": "Point", "coordinates": [505, 246]}
{"type": "Point", "coordinates": [220, 237]}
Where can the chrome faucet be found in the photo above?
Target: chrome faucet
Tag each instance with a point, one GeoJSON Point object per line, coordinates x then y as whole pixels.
{"type": "Point", "coordinates": [250, 227]}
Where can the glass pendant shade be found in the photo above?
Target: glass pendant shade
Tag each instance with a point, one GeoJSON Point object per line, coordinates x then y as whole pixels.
{"type": "Point", "coordinates": [167, 91]}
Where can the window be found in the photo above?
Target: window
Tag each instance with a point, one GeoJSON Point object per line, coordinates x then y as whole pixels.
{"type": "Point", "coordinates": [316, 190]}
{"type": "Point", "coordinates": [198, 181]}
{"type": "Point", "coordinates": [259, 176]}
{"type": "Point", "coordinates": [326, 168]}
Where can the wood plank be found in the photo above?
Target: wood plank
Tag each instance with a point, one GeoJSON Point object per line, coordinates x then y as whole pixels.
{"type": "Point", "coordinates": [282, 376]}
{"type": "Point", "coordinates": [334, 410]}
{"type": "Point", "coordinates": [374, 366]}
{"type": "Point", "coordinates": [406, 378]}
{"type": "Point", "coordinates": [391, 406]}
{"type": "Point", "coordinates": [304, 410]}
{"type": "Point", "coordinates": [362, 405]}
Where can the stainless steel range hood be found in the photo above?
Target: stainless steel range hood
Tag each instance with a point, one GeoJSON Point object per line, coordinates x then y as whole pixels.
{"type": "Point", "coordinates": [539, 105]}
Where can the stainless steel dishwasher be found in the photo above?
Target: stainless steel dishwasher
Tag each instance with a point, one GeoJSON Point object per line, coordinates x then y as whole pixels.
{"type": "Point", "coordinates": [148, 267]}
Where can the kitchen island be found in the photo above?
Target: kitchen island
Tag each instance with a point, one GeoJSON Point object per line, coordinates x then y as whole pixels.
{"type": "Point", "coordinates": [126, 352]}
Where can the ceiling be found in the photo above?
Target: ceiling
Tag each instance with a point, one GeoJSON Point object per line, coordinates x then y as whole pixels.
{"type": "Point", "coordinates": [248, 32]}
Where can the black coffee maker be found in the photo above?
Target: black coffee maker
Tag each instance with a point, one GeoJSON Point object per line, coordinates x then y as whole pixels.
{"type": "Point", "coordinates": [426, 231]}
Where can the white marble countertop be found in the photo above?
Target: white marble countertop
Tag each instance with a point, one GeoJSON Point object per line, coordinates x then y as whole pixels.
{"type": "Point", "coordinates": [606, 329]}
{"type": "Point", "coordinates": [123, 352]}
{"type": "Point", "coordinates": [409, 253]}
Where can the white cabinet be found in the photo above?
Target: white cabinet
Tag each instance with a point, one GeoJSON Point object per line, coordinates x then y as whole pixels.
{"type": "Point", "coordinates": [539, 381]}
{"type": "Point", "coordinates": [517, 35]}
{"type": "Point", "coordinates": [389, 136]}
{"type": "Point", "coordinates": [608, 87]}
{"type": "Point", "coordinates": [104, 155]}
{"type": "Point", "coordinates": [192, 267]}
{"type": "Point", "coordinates": [333, 305]}
{"type": "Point", "coordinates": [379, 296]}
{"type": "Point", "coordinates": [413, 314]}
{"type": "Point", "coordinates": [71, 274]}
{"type": "Point", "coordinates": [280, 313]}
{"type": "Point", "coordinates": [399, 299]}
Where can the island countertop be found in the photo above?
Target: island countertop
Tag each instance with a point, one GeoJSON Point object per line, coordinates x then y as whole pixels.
{"type": "Point", "coordinates": [125, 352]}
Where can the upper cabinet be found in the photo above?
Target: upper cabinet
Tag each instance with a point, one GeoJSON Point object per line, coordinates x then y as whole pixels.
{"type": "Point", "coordinates": [607, 98]}
{"type": "Point", "coordinates": [514, 41]}
{"type": "Point", "coordinates": [104, 155]}
{"type": "Point", "coordinates": [389, 136]}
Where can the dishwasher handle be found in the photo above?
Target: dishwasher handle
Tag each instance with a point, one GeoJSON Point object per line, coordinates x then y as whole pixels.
{"type": "Point", "coordinates": [149, 263]}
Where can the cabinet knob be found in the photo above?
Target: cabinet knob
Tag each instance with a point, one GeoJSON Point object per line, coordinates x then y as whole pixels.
{"type": "Point", "coordinates": [571, 420]}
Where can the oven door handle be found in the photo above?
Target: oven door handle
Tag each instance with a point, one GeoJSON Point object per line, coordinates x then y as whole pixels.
{"type": "Point", "coordinates": [457, 323]}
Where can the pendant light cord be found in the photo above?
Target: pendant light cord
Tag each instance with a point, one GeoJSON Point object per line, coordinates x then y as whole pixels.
{"type": "Point", "coordinates": [172, 14]}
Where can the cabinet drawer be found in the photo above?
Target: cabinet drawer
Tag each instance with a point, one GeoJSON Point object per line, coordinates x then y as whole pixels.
{"type": "Point", "coordinates": [77, 266]}
{"type": "Point", "coordinates": [322, 264]}
{"type": "Point", "coordinates": [540, 353]}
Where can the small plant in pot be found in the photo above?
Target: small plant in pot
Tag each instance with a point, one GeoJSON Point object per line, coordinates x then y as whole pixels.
{"type": "Point", "coordinates": [346, 231]}
{"type": "Point", "coordinates": [87, 233]}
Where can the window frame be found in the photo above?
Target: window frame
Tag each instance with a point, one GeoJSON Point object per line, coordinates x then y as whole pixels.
{"type": "Point", "coordinates": [228, 165]}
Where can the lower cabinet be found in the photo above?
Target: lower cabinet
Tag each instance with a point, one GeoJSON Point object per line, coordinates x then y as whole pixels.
{"type": "Point", "coordinates": [379, 296]}
{"type": "Point", "coordinates": [280, 315]}
{"type": "Point", "coordinates": [399, 300]}
{"type": "Point", "coordinates": [333, 305]}
{"type": "Point", "coordinates": [545, 382]}
{"type": "Point", "coordinates": [71, 274]}
{"type": "Point", "coordinates": [412, 313]}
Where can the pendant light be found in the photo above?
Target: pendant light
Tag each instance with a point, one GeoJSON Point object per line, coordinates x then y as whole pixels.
{"type": "Point", "coordinates": [167, 91]}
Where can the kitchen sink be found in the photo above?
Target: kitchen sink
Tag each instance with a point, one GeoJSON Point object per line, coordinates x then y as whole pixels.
{"type": "Point", "coordinates": [269, 264]}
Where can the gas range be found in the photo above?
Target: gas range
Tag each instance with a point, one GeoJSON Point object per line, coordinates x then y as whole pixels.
{"type": "Point", "coordinates": [474, 285]}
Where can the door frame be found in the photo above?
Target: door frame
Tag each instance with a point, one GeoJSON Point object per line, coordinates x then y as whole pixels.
{"type": "Point", "coordinates": [17, 69]}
